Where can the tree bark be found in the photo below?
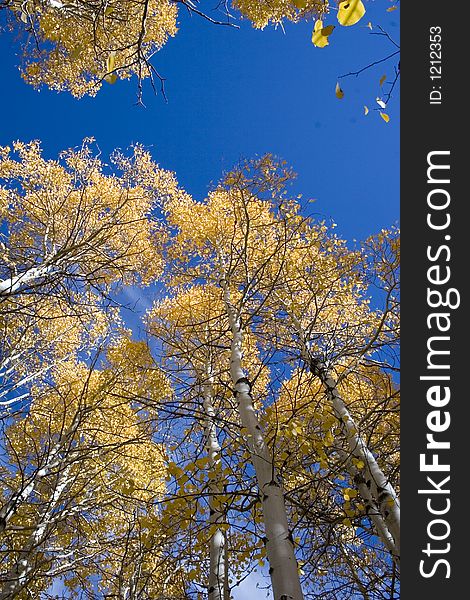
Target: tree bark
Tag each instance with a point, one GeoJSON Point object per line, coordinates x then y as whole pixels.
{"type": "Point", "coordinates": [19, 575]}
{"type": "Point", "coordinates": [375, 489]}
{"type": "Point", "coordinates": [12, 285]}
{"type": "Point", "coordinates": [217, 554]}
{"type": "Point", "coordinates": [374, 479]}
{"type": "Point", "coordinates": [279, 545]}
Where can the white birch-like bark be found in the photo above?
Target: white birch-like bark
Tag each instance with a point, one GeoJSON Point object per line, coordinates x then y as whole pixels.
{"type": "Point", "coordinates": [217, 554]}
{"type": "Point", "coordinates": [279, 545]}
{"type": "Point", "coordinates": [12, 504]}
{"type": "Point", "coordinates": [19, 575]}
{"type": "Point", "coordinates": [374, 487]}
{"type": "Point", "coordinates": [14, 284]}
{"type": "Point", "coordinates": [373, 478]}
{"type": "Point", "coordinates": [372, 510]}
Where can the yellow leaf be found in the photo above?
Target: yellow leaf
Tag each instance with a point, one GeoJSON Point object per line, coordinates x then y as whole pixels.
{"type": "Point", "coordinates": [366, 110]}
{"type": "Point", "coordinates": [300, 3]}
{"type": "Point", "coordinates": [385, 117]}
{"type": "Point", "coordinates": [339, 92]}
{"type": "Point", "coordinates": [328, 30]}
{"type": "Point", "coordinates": [350, 12]}
{"type": "Point", "coordinates": [392, 8]}
{"type": "Point", "coordinates": [112, 78]}
{"type": "Point", "coordinates": [110, 62]}
{"type": "Point", "coordinates": [382, 80]}
{"type": "Point", "coordinates": [320, 34]}
{"type": "Point", "coordinates": [360, 464]}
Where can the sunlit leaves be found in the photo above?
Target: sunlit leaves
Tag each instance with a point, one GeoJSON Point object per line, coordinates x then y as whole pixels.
{"type": "Point", "coordinates": [115, 236]}
{"type": "Point", "coordinates": [350, 12]}
{"type": "Point", "coordinates": [145, 466]}
{"type": "Point", "coordinates": [75, 50]}
{"type": "Point", "coordinates": [320, 34]}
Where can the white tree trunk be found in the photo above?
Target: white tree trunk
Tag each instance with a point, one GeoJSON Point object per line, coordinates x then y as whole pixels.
{"type": "Point", "coordinates": [217, 554]}
{"type": "Point", "coordinates": [17, 499]}
{"type": "Point", "coordinates": [279, 545]}
{"type": "Point", "coordinates": [374, 479]}
{"type": "Point", "coordinates": [19, 575]}
{"type": "Point", "coordinates": [14, 284]}
{"type": "Point", "coordinates": [374, 487]}
{"type": "Point", "coordinates": [372, 510]}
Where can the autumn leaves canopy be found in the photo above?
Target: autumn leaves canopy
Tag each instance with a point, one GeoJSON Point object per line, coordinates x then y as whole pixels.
{"type": "Point", "coordinates": [247, 419]}
{"type": "Point", "coordinates": [258, 422]}
{"type": "Point", "coordinates": [76, 46]}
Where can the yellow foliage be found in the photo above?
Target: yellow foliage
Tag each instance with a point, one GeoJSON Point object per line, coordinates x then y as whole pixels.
{"type": "Point", "coordinates": [320, 34]}
{"type": "Point", "coordinates": [69, 212]}
{"type": "Point", "coordinates": [193, 319]}
{"type": "Point", "coordinates": [263, 12]}
{"type": "Point", "coordinates": [81, 47]}
{"type": "Point", "coordinates": [350, 12]}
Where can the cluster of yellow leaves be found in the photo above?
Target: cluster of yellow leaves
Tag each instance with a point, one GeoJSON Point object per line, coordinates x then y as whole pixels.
{"type": "Point", "coordinates": [140, 374]}
{"type": "Point", "coordinates": [83, 435]}
{"type": "Point", "coordinates": [55, 329]}
{"type": "Point", "coordinates": [80, 46]}
{"type": "Point", "coordinates": [190, 322]}
{"type": "Point", "coordinates": [70, 212]}
{"type": "Point", "coordinates": [95, 407]}
{"type": "Point", "coordinates": [263, 12]}
{"type": "Point", "coordinates": [309, 431]}
{"type": "Point", "coordinates": [306, 425]}
{"type": "Point", "coordinates": [349, 13]}
{"type": "Point", "coordinates": [219, 223]}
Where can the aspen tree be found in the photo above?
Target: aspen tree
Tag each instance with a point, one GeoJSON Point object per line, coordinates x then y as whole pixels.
{"type": "Point", "coordinates": [340, 332]}
{"type": "Point", "coordinates": [191, 326]}
{"type": "Point", "coordinates": [233, 239]}
{"type": "Point", "coordinates": [79, 46]}
{"type": "Point", "coordinates": [294, 286]}
{"type": "Point", "coordinates": [83, 468]}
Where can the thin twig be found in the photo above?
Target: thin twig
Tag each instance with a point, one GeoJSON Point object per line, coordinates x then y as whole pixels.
{"type": "Point", "coordinates": [377, 62]}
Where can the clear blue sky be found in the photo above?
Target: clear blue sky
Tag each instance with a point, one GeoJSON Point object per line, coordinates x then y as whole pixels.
{"type": "Point", "coordinates": [237, 93]}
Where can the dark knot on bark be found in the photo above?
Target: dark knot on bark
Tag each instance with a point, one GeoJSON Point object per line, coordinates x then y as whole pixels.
{"type": "Point", "coordinates": [318, 367]}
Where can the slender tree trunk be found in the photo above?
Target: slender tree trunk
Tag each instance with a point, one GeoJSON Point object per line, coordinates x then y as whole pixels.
{"type": "Point", "coordinates": [19, 575]}
{"type": "Point", "coordinates": [17, 499]}
{"type": "Point", "coordinates": [372, 510]}
{"type": "Point", "coordinates": [374, 487]}
{"type": "Point", "coordinates": [373, 478]}
{"type": "Point", "coordinates": [217, 554]}
{"type": "Point", "coordinates": [279, 545]}
{"type": "Point", "coordinates": [52, 461]}
{"type": "Point", "coordinates": [14, 284]}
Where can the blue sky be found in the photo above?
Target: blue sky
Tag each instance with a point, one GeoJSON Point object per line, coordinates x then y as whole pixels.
{"type": "Point", "coordinates": [238, 93]}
